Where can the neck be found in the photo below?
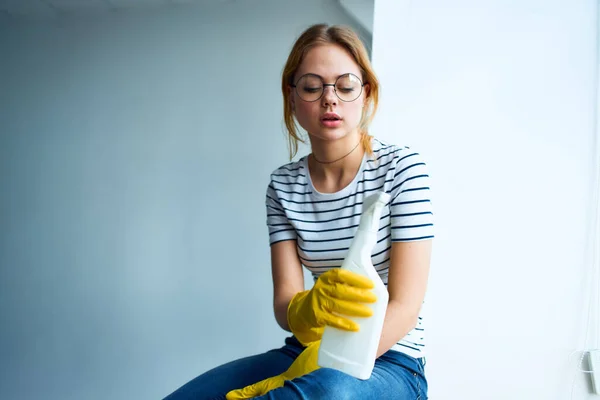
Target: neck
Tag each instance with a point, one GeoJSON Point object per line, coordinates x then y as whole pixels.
{"type": "Point", "coordinates": [335, 160]}
{"type": "Point", "coordinates": [335, 151]}
{"type": "Point", "coordinates": [339, 158]}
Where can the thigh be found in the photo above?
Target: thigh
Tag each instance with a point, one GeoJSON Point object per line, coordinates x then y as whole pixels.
{"type": "Point", "coordinates": [395, 377]}
{"type": "Point", "coordinates": [214, 384]}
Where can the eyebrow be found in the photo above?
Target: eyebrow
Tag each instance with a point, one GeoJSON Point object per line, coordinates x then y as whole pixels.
{"type": "Point", "coordinates": [310, 73]}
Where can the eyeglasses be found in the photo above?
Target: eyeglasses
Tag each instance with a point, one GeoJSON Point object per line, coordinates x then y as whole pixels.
{"type": "Point", "coordinates": [310, 87]}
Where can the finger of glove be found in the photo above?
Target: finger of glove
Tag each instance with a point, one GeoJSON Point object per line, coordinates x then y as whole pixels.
{"type": "Point", "coordinates": [257, 389]}
{"type": "Point", "coordinates": [350, 308]}
{"type": "Point", "coordinates": [265, 386]}
{"type": "Point", "coordinates": [345, 292]}
{"type": "Point", "coordinates": [341, 323]}
{"type": "Point", "coordinates": [348, 277]}
{"type": "Point", "coordinates": [236, 395]}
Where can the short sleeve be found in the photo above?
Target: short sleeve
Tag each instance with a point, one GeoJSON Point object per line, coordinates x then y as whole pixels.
{"type": "Point", "coordinates": [411, 208]}
{"type": "Point", "coordinates": [280, 228]}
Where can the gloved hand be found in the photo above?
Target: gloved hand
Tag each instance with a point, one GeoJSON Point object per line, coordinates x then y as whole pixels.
{"type": "Point", "coordinates": [337, 291]}
{"type": "Point", "coordinates": [304, 364]}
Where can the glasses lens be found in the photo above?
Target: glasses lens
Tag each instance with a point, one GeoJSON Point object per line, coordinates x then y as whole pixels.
{"type": "Point", "coordinates": [348, 87]}
{"type": "Point", "coordinates": [309, 87]}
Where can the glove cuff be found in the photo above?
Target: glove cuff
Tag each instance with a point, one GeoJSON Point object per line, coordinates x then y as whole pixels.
{"type": "Point", "coordinates": [305, 333]}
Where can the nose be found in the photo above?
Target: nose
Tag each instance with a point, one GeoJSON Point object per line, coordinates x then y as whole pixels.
{"type": "Point", "coordinates": [329, 97]}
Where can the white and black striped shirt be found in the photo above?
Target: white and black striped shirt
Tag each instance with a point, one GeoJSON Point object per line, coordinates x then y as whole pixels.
{"type": "Point", "coordinates": [324, 224]}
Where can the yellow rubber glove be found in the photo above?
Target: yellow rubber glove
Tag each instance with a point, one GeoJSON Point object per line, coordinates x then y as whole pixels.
{"type": "Point", "coordinates": [304, 364]}
{"type": "Point", "coordinates": [337, 292]}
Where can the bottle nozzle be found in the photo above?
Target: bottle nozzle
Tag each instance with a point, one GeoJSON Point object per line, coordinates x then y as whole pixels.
{"type": "Point", "coordinates": [372, 209]}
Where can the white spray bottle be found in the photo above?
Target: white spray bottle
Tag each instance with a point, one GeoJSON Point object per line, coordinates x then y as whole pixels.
{"type": "Point", "coordinates": [354, 352]}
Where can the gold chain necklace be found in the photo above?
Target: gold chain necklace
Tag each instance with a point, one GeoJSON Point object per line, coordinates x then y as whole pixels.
{"type": "Point", "coordinates": [331, 162]}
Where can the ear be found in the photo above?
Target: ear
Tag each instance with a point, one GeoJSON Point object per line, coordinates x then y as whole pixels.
{"type": "Point", "coordinates": [367, 90]}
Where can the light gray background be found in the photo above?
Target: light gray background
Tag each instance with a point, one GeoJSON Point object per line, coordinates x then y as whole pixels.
{"type": "Point", "coordinates": [135, 152]}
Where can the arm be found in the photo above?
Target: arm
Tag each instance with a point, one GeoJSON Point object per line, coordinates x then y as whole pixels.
{"type": "Point", "coordinates": [407, 284]}
{"type": "Point", "coordinates": [410, 253]}
{"type": "Point", "coordinates": [336, 293]}
{"type": "Point", "coordinates": [288, 278]}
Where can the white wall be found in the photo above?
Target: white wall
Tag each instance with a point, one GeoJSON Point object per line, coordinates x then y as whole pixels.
{"type": "Point", "coordinates": [135, 150]}
{"type": "Point", "coordinates": [500, 98]}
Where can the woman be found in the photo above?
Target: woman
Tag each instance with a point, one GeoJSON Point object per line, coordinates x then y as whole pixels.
{"type": "Point", "coordinates": [313, 209]}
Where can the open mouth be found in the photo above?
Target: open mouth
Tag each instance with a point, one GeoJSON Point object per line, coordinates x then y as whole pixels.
{"type": "Point", "coordinates": [331, 121]}
{"type": "Point", "coordinates": [331, 117]}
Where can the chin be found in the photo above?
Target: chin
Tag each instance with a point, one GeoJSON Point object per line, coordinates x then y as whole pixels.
{"type": "Point", "coordinates": [326, 134]}
{"type": "Point", "coordinates": [329, 135]}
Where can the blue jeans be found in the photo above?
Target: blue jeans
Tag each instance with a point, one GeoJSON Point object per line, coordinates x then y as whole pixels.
{"type": "Point", "coordinates": [396, 376]}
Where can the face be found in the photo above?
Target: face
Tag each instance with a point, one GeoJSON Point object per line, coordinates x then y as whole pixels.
{"type": "Point", "coordinates": [328, 118]}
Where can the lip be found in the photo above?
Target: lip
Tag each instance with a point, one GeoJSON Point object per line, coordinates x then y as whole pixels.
{"type": "Point", "coordinates": [331, 123]}
{"type": "Point", "coordinates": [330, 116]}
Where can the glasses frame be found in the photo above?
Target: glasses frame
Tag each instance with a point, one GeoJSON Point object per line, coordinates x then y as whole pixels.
{"type": "Point", "coordinates": [362, 85]}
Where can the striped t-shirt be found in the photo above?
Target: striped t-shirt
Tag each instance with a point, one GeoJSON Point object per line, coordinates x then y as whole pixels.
{"type": "Point", "coordinates": [324, 224]}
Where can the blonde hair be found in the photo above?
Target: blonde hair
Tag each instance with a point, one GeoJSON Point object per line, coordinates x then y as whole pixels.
{"type": "Point", "coordinates": [345, 37]}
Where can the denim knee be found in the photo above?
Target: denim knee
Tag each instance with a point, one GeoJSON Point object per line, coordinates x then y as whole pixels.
{"type": "Point", "coordinates": [334, 384]}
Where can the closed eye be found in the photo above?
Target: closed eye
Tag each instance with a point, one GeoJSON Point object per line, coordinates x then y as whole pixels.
{"type": "Point", "coordinates": [311, 89]}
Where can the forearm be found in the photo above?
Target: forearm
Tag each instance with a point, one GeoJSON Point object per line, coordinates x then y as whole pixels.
{"type": "Point", "coordinates": [280, 308]}
{"type": "Point", "coordinates": [398, 322]}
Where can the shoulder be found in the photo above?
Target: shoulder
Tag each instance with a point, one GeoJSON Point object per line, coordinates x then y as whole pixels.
{"type": "Point", "coordinates": [289, 171]}
{"type": "Point", "coordinates": [289, 178]}
{"type": "Point", "coordinates": [394, 156]}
